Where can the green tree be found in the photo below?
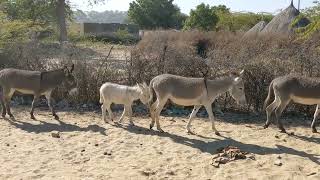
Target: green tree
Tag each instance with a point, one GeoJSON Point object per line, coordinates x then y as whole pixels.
{"type": "Point", "coordinates": [43, 11]}
{"type": "Point", "coordinates": [313, 14]}
{"type": "Point", "coordinates": [203, 18]}
{"type": "Point", "coordinates": [151, 14]}
{"type": "Point", "coordinates": [238, 20]}
{"type": "Point", "coordinates": [40, 11]}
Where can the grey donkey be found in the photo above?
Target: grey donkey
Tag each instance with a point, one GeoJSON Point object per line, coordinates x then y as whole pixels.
{"type": "Point", "coordinates": [302, 90]}
{"type": "Point", "coordinates": [195, 92]}
{"type": "Point", "coordinates": [34, 83]}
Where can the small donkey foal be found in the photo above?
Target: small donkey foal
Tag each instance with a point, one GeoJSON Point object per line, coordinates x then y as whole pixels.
{"type": "Point", "coordinates": [120, 94]}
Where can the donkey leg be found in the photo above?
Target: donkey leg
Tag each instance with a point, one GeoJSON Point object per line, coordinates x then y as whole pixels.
{"type": "Point", "coordinates": [269, 110]}
{"type": "Point", "coordinates": [159, 108]}
{"type": "Point", "coordinates": [108, 106]}
{"type": "Point", "coordinates": [7, 93]}
{"type": "Point", "coordinates": [278, 113]}
{"type": "Point", "coordinates": [192, 115]}
{"type": "Point", "coordinates": [152, 114]}
{"type": "Point", "coordinates": [4, 111]}
{"type": "Point", "coordinates": [123, 114]}
{"type": "Point", "coordinates": [104, 112]}
{"type": "Point", "coordinates": [315, 116]}
{"type": "Point", "coordinates": [34, 103]}
{"type": "Point", "coordinates": [129, 108]}
{"type": "Point", "coordinates": [217, 108]}
{"type": "Point", "coordinates": [49, 99]}
{"type": "Point", "coordinates": [211, 117]}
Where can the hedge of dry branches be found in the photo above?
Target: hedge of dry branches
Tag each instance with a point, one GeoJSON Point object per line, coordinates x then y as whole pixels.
{"type": "Point", "coordinates": [192, 54]}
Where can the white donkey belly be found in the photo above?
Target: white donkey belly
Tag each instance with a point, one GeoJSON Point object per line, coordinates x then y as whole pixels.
{"type": "Point", "coordinates": [186, 102]}
{"type": "Point", "coordinates": [25, 91]}
{"type": "Point", "coordinates": [306, 101]}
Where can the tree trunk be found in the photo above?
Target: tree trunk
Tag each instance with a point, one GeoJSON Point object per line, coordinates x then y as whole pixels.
{"type": "Point", "coordinates": [61, 17]}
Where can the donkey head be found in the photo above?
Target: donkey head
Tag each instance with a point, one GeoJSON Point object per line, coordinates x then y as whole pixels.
{"type": "Point", "coordinates": [145, 95]}
{"type": "Point", "coordinates": [70, 81]}
{"type": "Point", "coordinates": [237, 89]}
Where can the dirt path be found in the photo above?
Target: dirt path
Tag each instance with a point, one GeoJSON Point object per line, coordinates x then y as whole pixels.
{"type": "Point", "coordinates": [90, 149]}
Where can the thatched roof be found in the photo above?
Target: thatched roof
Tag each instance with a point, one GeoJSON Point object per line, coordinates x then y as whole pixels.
{"type": "Point", "coordinates": [255, 30]}
{"type": "Point", "coordinates": [282, 22]}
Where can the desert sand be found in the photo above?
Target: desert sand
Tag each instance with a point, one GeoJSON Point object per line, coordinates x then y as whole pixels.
{"type": "Point", "coordinates": [90, 149]}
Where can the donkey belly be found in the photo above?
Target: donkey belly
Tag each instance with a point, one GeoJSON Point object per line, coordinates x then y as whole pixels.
{"type": "Point", "coordinates": [25, 91]}
{"type": "Point", "coordinates": [186, 102]}
{"type": "Point", "coordinates": [305, 100]}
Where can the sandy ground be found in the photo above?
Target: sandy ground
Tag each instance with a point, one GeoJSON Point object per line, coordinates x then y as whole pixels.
{"type": "Point", "coordinates": [90, 149]}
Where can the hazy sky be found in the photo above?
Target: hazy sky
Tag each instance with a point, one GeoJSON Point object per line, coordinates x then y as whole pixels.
{"type": "Point", "coordinates": [271, 6]}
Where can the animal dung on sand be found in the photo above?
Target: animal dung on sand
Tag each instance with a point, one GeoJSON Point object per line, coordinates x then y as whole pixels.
{"type": "Point", "coordinates": [228, 154]}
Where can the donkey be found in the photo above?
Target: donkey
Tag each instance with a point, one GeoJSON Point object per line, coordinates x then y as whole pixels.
{"type": "Point", "coordinates": [192, 92]}
{"type": "Point", "coordinates": [120, 94]}
{"type": "Point", "coordinates": [302, 90]}
{"type": "Point", "coordinates": [34, 83]}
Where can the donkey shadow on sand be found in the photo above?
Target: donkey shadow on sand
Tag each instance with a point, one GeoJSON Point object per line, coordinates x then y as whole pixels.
{"type": "Point", "coordinates": [45, 127]}
{"type": "Point", "coordinates": [212, 144]}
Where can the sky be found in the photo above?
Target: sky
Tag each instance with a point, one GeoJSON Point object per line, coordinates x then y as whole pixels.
{"type": "Point", "coordinates": [270, 6]}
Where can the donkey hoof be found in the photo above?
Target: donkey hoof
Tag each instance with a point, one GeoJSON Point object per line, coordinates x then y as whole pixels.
{"type": "Point", "coordinates": [265, 126]}
{"type": "Point", "coordinates": [151, 126]}
{"type": "Point", "coordinates": [314, 130]}
{"type": "Point", "coordinates": [3, 115]}
{"type": "Point", "coordinates": [282, 131]}
{"type": "Point", "coordinates": [33, 118]}
{"type": "Point", "coordinates": [56, 117]}
{"type": "Point", "coordinates": [217, 133]}
{"type": "Point", "coordinates": [160, 130]}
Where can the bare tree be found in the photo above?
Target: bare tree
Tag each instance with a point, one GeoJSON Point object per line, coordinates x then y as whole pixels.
{"type": "Point", "coordinates": [61, 17]}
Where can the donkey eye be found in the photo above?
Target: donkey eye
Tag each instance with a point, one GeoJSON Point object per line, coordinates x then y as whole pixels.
{"type": "Point", "coordinates": [241, 88]}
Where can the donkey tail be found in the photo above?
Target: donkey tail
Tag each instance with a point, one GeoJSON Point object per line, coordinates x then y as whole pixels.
{"type": "Point", "coordinates": [101, 96]}
{"type": "Point", "coordinates": [268, 100]}
{"type": "Point", "coordinates": [152, 93]}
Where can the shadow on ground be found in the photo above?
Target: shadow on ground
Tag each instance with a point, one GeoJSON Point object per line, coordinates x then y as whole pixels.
{"type": "Point", "coordinates": [213, 144]}
{"type": "Point", "coordinates": [44, 127]}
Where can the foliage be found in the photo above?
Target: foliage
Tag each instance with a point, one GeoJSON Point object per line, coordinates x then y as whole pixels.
{"type": "Point", "coordinates": [312, 13]}
{"type": "Point", "coordinates": [35, 11]}
{"type": "Point", "coordinates": [220, 18]}
{"type": "Point", "coordinates": [152, 14]}
{"type": "Point", "coordinates": [202, 18]}
{"type": "Point", "coordinates": [263, 58]}
{"type": "Point", "coordinates": [16, 30]}
{"type": "Point", "coordinates": [39, 11]}
{"type": "Point", "coordinates": [238, 21]}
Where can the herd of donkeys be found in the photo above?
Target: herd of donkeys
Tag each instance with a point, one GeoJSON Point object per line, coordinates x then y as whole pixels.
{"type": "Point", "coordinates": [180, 90]}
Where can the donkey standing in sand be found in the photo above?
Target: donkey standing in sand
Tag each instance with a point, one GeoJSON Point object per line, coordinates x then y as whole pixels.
{"type": "Point", "coordinates": [120, 94]}
{"type": "Point", "coordinates": [34, 83]}
{"type": "Point", "coordinates": [192, 92]}
{"type": "Point", "coordinates": [294, 88]}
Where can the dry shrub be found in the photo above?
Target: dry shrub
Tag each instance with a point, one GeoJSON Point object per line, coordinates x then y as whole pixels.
{"type": "Point", "coordinates": [191, 54]}
{"type": "Point", "coordinates": [89, 73]}
{"type": "Point", "coordinates": [263, 58]}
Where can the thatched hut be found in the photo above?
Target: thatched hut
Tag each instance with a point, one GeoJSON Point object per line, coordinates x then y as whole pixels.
{"type": "Point", "coordinates": [255, 30]}
{"type": "Point", "coordinates": [281, 24]}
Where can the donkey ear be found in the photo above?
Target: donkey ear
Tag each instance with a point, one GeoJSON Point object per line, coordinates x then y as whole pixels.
{"type": "Point", "coordinates": [72, 68]}
{"type": "Point", "coordinates": [237, 80]}
{"type": "Point", "coordinates": [242, 73]}
{"type": "Point", "coordinates": [145, 84]}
